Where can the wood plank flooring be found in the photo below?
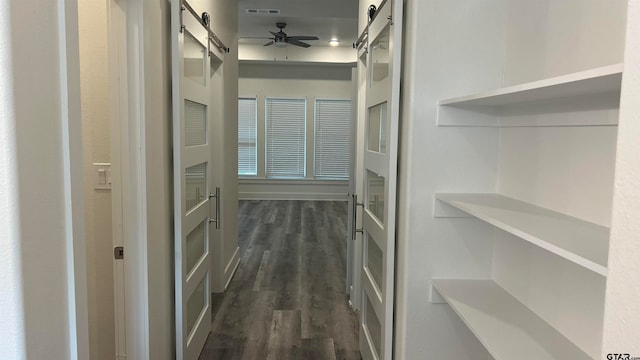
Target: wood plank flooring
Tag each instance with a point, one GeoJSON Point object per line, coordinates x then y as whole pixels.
{"type": "Point", "coordinates": [287, 299]}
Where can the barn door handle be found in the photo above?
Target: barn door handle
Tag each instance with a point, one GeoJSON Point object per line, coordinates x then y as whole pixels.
{"type": "Point", "coordinates": [216, 195]}
{"type": "Point", "coordinates": [355, 205]}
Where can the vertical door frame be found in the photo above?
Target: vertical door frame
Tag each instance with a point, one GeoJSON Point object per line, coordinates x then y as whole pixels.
{"type": "Point", "coordinates": [354, 246]}
{"type": "Point", "coordinates": [351, 270]}
{"type": "Point", "coordinates": [117, 50]}
{"type": "Point", "coordinates": [360, 139]}
{"type": "Point", "coordinates": [129, 187]}
{"type": "Point", "coordinates": [70, 114]}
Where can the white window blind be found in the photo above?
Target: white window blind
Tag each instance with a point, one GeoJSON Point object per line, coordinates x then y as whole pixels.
{"type": "Point", "coordinates": [285, 121]}
{"type": "Point", "coordinates": [332, 139]}
{"type": "Point", "coordinates": [247, 137]}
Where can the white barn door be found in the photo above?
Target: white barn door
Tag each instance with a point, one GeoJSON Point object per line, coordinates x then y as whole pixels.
{"type": "Point", "coordinates": [195, 197]}
{"type": "Point", "coordinates": [380, 181]}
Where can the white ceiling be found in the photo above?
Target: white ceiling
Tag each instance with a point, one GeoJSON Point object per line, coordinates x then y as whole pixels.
{"type": "Point", "coordinates": [323, 18]}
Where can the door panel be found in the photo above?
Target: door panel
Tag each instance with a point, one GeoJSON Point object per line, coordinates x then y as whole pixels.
{"type": "Point", "coordinates": [374, 261]}
{"type": "Point", "coordinates": [193, 186]}
{"type": "Point", "coordinates": [375, 195]}
{"type": "Point", "coordinates": [377, 126]}
{"type": "Point", "coordinates": [380, 179]}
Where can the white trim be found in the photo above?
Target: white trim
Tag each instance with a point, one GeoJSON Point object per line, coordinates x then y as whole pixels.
{"type": "Point", "coordinates": [133, 165]}
{"type": "Point", "coordinates": [69, 61]}
{"type": "Point", "coordinates": [233, 265]}
{"type": "Point", "coordinates": [116, 18]}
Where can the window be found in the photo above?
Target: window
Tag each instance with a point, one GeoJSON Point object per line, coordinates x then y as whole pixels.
{"type": "Point", "coordinates": [247, 137]}
{"type": "Point", "coordinates": [332, 139]}
{"type": "Point", "coordinates": [285, 137]}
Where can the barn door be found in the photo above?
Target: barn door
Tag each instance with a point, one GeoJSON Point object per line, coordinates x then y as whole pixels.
{"type": "Point", "coordinates": [195, 196]}
{"type": "Point", "coordinates": [379, 180]}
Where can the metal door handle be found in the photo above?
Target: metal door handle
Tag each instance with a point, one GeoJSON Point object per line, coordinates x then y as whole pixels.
{"type": "Point", "coordinates": [217, 218]}
{"type": "Point", "coordinates": [355, 205]}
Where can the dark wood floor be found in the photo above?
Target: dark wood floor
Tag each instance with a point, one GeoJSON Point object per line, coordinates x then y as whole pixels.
{"type": "Point", "coordinates": [287, 299]}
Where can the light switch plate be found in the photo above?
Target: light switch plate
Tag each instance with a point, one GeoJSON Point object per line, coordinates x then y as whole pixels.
{"type": "Point", "coordinates": [102, 176]}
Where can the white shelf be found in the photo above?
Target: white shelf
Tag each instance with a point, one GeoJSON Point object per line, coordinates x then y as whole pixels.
{"type": "Point", "coordinates": [579, 241]}
{"type": "Point", "coordinates": [506, 327]}
{"type": "Point", "coordinates": [595, 81]}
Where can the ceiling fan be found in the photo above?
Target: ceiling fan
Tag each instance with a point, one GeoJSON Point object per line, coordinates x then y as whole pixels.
{"type": "Point", "coordinates": [281, 39]}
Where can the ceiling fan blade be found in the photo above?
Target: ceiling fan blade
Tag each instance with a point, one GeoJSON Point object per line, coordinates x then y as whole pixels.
{"type": "Point", "coordinates": [297, 43]}
{"type": "Point", "coordinates": [270, 43]}
{"type": "Point", "coordinates": [255, 37]}
{"type": "Point", "coordinates": [303, 37]}
{"type": "Point", "coordinates": [274, 33]}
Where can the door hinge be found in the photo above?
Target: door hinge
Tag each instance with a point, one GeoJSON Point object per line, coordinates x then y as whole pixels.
{"type": "Point", "coordinates": [118, 252]}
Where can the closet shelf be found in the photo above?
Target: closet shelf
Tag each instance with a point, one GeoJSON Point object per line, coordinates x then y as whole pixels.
{"type": "Point", "coordinates": [506, 327]}
{"type": "Point", "coordinates": [600, 80]}
{"type": "Point", "coordinates": [579, 241]}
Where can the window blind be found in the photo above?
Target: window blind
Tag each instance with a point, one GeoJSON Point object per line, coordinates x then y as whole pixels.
{"type": "Point", "coordinates": [247, 137]}
{"type": "Point", "coordinates": [285, 137]}
{"type": "Point", "coordinates": [332, 139]}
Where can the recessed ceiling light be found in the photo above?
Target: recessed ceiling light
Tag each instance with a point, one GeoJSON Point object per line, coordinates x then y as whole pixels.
{"type": "Point", "coordinates": [334, 42]}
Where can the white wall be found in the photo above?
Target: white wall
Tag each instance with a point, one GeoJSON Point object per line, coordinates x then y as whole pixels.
{"type": "Point", "coordinates": [293, 81]}
{"type": "Point", "coordinates": [42, 272]}
{"type": "Point", "coordinates": [622, 308]}
{"type": "Point", "coordinates": [94, 75]}
{"type": "Point", "coordinates": [158, 172]}
{"type": "Point", "coordinates": [437, 159]}
{"type": "Point", "coordinates": [12, 330]}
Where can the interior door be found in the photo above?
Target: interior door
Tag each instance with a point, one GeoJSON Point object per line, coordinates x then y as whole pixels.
{"type": "Point", "coordinates": [380, 179]}
{"type": "Point", "coordinates": [193, 173]}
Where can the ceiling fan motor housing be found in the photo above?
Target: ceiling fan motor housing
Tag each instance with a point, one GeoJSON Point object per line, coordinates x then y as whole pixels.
{"type": "Point", "coordinates": [281, 39]}
{"type": "Point", "coordinates": [280, 42]}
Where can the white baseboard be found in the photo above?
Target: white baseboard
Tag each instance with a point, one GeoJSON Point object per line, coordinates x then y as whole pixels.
{"type": "Point", "coordinates": [231, 268]}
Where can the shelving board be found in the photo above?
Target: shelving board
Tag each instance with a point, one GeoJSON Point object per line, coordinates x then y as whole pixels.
{"type": "Point", "coordinates": [600, 80]}
{"type": "Point", "coordinates": [579, 241]}
{"type": "Point", "coordinates": [505, 326]}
